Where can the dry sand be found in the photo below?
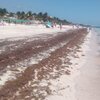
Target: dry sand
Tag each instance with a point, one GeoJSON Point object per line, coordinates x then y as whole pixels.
{"type": "Point", "coordinates": [20, 31]}
{"type": "Point", "coordinates": [52, 76]}
{"type": "Point", "coordinates": [64, 68]}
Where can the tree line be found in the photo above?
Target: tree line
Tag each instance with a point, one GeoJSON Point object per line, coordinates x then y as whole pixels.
{"type": "Point", "coordinates": [32, 16]}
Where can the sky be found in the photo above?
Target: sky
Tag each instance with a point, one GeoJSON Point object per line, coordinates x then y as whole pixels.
{"type": "Point", "coordinates": [77, 11]}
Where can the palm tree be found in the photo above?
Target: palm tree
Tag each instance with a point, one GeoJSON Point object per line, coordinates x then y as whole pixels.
{"type": "Point", "coordinates": [29, 15]}
{"type": "Point", "coordinates": [18, 14]}
{"type": "Point", "coordinates": [45, 16]}
{"type": "Point", "coordinates": [11, 14]}
{"type": "Point", "coordinates": [3, 12]}
{"type": "Point", "coordinates": [39, 16]}
{"type": "Point", "coordinates": [22, 15]}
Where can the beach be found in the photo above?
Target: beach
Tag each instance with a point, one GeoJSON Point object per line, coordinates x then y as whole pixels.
{"type": "Point", "coordinates": [50, 50]}
{"type": "Point", "coordinates": [18, 30]}
{"type": "Point", "coordinates": [38, 63]}
{"type": "Point", "coordinates": [88, 81]}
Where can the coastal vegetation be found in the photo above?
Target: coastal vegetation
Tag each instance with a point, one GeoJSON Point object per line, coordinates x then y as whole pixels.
{"type": "Point", "coordinates": [21, 15]}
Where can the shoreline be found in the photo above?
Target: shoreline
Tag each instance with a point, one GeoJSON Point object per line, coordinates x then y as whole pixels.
{"type": "Point", "coordinates": [87, 82]}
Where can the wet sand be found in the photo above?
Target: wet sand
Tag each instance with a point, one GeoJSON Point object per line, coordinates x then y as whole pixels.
{"type": "Point", "coordinates": [88, 81]}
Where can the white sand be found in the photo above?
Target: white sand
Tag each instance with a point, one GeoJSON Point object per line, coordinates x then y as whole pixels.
{"type": "Point", "coordinates": [19, 32]}
{"type": "Point", "coordinates": [11, 31]}
{"type": "Point", "coordinates": [83, 83]}
{"type": "Point", "coordinates": [88, 82]}
{"type": "Point", "coordinates": [63, 88]}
